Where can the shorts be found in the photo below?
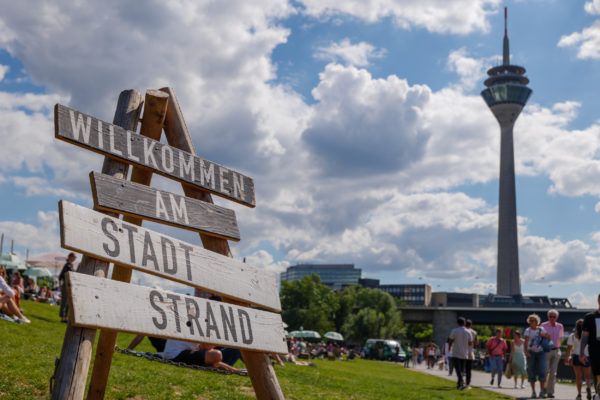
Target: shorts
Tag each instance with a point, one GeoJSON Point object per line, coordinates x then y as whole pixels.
{"type": "Point", "coordinates": [192, 357]}
{"type": "Point", "coordinates": [578, 363]}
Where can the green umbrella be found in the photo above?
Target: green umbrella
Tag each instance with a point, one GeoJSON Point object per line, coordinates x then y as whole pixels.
{"type": "Point", "coordinates": [305, 334]}
{"type": "Point", "coordinates": [12, 262]}
{"type": "Point", "coordinates": [334, 336]}
{"type": "Point", "coordinates": [37, 272]}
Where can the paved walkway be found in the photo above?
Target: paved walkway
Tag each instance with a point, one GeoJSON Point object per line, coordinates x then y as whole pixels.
{"type": "Point", "coordinates": [482, 380]}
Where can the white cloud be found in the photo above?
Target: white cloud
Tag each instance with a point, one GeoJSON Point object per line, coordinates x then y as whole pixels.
{"type": "Point", "coordinates": [580, 300]}
{"type": "Point", "coordinates": [40, 237]}
{"type": "Point", "coordinates": [587, 41]}
{"type": "Point", "coordinates": [3, 70]}
{"type": "Point", "coordinates": [471, 70]}
{"type": "Point", "coordinates": [262, 259]}
{"type": "Point", "coordinates": [440, 16]}
{"type": "Point", "coordinates": [592, 7]}
{"type": "Point", "coordinates": [36, 186]}
{"type": "Point", "coordinates": [352, 54]}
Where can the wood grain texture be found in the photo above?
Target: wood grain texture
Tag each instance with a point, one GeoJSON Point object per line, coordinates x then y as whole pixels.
{"type": "Point", "coordinates": [108, 304]}
{"type": "Point", "coordinates": [107, 238]}
{"type": "Point", "coordinates": [112, 141]}
{"type": "Point", "coordinates": [155, 106]}
{"type": "Point", "coordinates": [260, 370]}
{"type": "Point", "coordinates": [72, 370]}
{"type": "Point", "coordinates": [137, 200]}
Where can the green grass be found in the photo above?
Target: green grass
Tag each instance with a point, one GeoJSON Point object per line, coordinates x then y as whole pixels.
{"type": "Point", "coordinates": [29, 351]}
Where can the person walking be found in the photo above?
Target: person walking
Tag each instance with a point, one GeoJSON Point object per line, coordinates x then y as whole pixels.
{"type": "Point", "coordinates": [460, 339]}
{"type": "Point", "coordinates": [572, 358]}
{"type": "Point", "coordinates": [536, 358]}
{"type": "Point", "coordinates": [471, 355]}
{"type": "Point", "coordinates": [591, 339]}
{"type": "Point", "coordinates": [64, 301]}
{"type": "Point", "coordinates": [517, 358]}
{"type": "Point", "coordinates": [556, 331]}
{"type": "Point", "coordinates": [496, 348]}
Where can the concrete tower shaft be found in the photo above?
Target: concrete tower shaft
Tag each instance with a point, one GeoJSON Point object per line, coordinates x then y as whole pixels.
{"type": "Point", "coordinates": [506, 95]}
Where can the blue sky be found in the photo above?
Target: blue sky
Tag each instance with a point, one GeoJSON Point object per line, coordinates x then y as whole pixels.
{"type": "Point", "coordinates": [360, 122]}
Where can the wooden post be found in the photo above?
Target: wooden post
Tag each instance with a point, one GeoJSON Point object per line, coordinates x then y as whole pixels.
{"type": "Point", "coordinates": [71, 373]}
{"type": "Point", "coordinates": [152, 123]}
{"type": "Point", "coordinates": [1, 242]}
{"type": "Point", "coordinates": [259, 368]}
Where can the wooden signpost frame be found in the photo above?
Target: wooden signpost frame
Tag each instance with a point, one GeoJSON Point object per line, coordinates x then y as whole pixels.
{"type": "Point", "coordinates": [161, 111]}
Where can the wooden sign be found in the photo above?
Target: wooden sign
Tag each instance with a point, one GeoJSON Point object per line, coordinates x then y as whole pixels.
{"type": "Point", "coordinates": [107, 304]}
{"type": "Point", "coordinates": [110, 239]}
{"type": "Point", "coordinates": [126, 197]}
{"type": "Point", "coordinates": [115, 142]}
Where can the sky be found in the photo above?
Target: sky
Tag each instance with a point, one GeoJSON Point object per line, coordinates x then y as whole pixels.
{"type": "Point", "coordinates": [360, 122]}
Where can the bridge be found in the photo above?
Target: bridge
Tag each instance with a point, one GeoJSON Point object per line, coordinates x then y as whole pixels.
{"type": "Point", "coordinates": [444, 319]}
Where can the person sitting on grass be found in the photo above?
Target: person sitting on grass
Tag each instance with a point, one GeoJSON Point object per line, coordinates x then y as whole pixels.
{"type": "Point", "coordinates": [201, 354]}
{"type": "Point", "coordinates": [16, 283]}
{"type": "Point", "coordinates": [31, 288]}
{"type": "Point", "coordinates": [7, 304]}
{"type": "Point", "coordinates": [46, 296]}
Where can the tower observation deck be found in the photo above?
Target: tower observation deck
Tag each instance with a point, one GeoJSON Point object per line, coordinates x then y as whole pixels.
{"type": "Point", "coordinates": [506, 95]}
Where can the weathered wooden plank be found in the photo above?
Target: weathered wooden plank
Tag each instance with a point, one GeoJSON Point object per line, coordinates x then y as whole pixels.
{"type": "Point", "coordinates": [89, 232]}
{"type": "Point", "coordinates": [155, 106]}
{"type": "Point", "coordinates": [260, 370]}
{"type": "Point", "coordinates": [72, 370]}
{"type": "Point", "coordinates": [115, 142]}
{"type": "Point", "coordinates": [108, 304]}
{"type": "Point", "coordinates": [161, 206]}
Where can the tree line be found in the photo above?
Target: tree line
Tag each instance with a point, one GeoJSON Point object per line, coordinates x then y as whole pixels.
{"type": "Point", "coordinates": [357, 313]}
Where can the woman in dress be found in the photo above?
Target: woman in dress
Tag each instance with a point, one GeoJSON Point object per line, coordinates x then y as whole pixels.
{"type": "Point", "coordinates": [517, 354]}
{"type": "Point", "coordinates": [8, 307]}
{"type": "Point", "coordinates": [572, 357]}
{"type": "Point", "coordinates": [536, 358]}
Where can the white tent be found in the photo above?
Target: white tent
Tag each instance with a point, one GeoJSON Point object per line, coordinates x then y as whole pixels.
{"type": "Point", "coordinates": [54, 261]}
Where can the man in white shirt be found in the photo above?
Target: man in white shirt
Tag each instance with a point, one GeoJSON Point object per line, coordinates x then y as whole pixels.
{"type": "Point", "coordinates": [460, 340]}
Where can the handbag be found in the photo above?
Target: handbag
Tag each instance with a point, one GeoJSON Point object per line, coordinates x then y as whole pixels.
{"type": "Point", "coordinates": [509, 370]}
{"type": "Point", "coordinates": [546, 344]}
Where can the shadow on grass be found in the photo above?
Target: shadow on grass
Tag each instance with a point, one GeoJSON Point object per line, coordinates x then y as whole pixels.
{"type": "Point", "coordinates": [36, 316]}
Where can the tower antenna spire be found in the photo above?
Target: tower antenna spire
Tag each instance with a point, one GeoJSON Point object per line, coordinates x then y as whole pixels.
{"type": "Point", "coordinates": [505, 51]}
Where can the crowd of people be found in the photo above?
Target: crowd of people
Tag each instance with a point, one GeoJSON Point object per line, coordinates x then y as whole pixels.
{"type": "Point", "coordinates": [15, 287]}
{"type": "Point", "coordinates": [533, 354]}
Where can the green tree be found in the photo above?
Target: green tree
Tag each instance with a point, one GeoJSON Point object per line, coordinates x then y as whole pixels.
{"type": "Point", "coordinates": [308, 303]}
{"type": "Point", "coordinates": [368, 313]}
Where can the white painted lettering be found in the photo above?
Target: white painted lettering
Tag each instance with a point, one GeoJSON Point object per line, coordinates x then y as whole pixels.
{"type": "Point", "coordinates": [160, 207]}
{"type": "Point", "coordinates": [179, 212]}
{"type": "Point", "coordinates": [209, 175]}
{"type": "Point", "coordinates": [77, 126]}
{"type": "Point", "coordinates": [167, 166]}
{"type": "Point", "coordinates": [111, 137]}
{"type": "Point", "coordinates": [238, 185]}
{"type": "Point", "coordinates": [100, 135]}
{"type": "Point", "coordinates": [186, 167]}
{"type": "Point", "coordinates": [222, 179]}
{"type": "Point", "coordinates": [129, 154]}
{"type": "Point", "coordinates": [148, 155]}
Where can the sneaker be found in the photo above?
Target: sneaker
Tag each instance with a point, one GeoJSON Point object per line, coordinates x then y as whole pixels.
{"type": "Point", "coordinates": [522, 386]}
{"type": "Point", "coordinates": [468, 387]}
{"type": "Point", "coordinates": [550, 395]}
{"type": "Point", "coordinates": [499, 386]}
{"type": "Point", "coordinates": [596, 397]}
{"type": "Point", "coordinates": [533, 395]}
{"type": "Point", "coordinates": [578, 397]}
{"type": "Point", "coordinates": [542, 395]}
{"type": "Point", "coordinates": [24, 320]}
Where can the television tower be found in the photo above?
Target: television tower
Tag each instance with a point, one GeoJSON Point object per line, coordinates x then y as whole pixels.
{"type": "Point", "coordinates": [506, 95]}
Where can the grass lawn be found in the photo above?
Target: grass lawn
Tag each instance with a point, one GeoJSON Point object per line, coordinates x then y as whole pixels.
{"type": "Point", "coordinates": [29, 351]}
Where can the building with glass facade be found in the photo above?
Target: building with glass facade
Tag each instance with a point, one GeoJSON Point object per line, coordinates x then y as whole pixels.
{"type": "Point", "coordinates": [412, 295]}
{"type": "Point", "coordinates": [335, 276]}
